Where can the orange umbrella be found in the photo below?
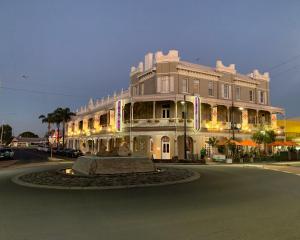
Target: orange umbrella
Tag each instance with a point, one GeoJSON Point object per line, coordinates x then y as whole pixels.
{"type": "Point", "coordinates": [248, 143]}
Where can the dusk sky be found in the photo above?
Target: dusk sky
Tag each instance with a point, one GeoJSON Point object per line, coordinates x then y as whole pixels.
{"type": "Point", "coordinates": [61, 53]}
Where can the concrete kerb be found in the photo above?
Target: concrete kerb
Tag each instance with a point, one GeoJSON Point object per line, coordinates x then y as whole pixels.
{"type": "Point", "coordinates": [17, 181]}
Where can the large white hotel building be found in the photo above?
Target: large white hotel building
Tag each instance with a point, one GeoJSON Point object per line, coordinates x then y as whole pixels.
{"type": "Point", "coordinates": [150, 115]}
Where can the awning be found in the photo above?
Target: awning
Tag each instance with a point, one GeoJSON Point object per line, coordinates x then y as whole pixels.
{"type": "Point", "coordinates": [282, 144]}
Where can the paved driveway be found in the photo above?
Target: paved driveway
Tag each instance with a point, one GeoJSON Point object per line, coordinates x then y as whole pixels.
{"type": "Point", "coordinates": [225, 203]}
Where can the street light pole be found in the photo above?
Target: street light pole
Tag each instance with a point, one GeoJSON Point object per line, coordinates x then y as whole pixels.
{"type": "Point", "coordinates": [185, 113]}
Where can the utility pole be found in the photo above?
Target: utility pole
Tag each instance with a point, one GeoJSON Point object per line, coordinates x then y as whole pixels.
{"type": "Point", "coordinates": [232, 119]}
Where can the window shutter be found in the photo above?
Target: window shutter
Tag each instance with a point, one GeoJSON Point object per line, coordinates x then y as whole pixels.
{"type": "Point", "coordinates": [158, 85]}
{"type": "Point", "coordinates": [230, 93]}
{"type": "Point", "coordinates": [258, 96]}
{"type": "Point", "coordinates": [222, 90]}
{"type": "Point", "coordinates": [171, 84]}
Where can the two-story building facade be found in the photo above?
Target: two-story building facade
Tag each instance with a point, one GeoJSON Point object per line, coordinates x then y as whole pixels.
{"type": "Point", "coordinates": [164, 94]}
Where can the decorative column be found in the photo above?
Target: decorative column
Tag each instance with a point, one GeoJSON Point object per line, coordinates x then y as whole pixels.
{"type": "Point", "coordinates": [153, 108]}
{"type": "Point", "coordinates": [107, 144]}
{"type": "Point", "coordinates": [214, 116]}
{"type": "Point", "coordinates": [274, 121]}
{"type": "Point", "coordinates": [245, 119]}
{"type": "Point", "coordinates": [176, 110]}
{"type": "Point", "coordinates": [257, 120]}
{"type": "Point", "coordinates": [130, 132]}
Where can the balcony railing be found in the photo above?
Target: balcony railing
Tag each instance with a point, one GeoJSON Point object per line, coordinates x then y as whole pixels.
{"type": "Point", "coordinates": [159, 122]}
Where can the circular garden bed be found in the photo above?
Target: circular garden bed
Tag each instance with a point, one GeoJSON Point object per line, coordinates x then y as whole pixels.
{"type": "Point", "coordinates": [58, 179]}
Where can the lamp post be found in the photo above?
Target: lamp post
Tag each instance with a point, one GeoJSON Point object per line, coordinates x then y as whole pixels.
{"type": "Point", "coordinates": [184, 125]}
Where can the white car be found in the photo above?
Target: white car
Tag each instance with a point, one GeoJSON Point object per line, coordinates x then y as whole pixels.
{"type": "Point", "coordinates": [6, 153]}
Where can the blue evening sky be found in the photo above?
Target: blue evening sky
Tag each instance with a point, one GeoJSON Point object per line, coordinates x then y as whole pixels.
{"type": "Point", "coordinates": [81, 49]}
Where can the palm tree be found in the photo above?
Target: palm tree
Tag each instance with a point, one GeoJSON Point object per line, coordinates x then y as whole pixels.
{"type": "Point", "coordinates": [48, 120]}
{"type": "Point", "coordinates": [57, 119]}
{"type": "Point", "coordinates": [213, 142]}
{"type": "Point", "coordinates": [66, 116]}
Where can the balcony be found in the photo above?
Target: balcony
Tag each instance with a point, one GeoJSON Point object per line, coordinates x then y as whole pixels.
{"type": "Point", "coordinates": [159, 122]}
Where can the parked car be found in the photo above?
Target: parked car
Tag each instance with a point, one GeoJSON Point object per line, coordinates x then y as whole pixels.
{"type": "Point", "coordinates": [6, 153]}
{"type": "Point", "coordinates": [73, 153]}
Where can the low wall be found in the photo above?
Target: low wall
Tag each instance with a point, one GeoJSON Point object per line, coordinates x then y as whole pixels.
{"type": "Point", "coordinates": [90, 165]}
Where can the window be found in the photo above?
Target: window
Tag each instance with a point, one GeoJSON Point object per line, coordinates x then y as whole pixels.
{"type": "Point", "coordinates": [91, 123]}
{"type": "Point", "coordinates": [251, 96]}
{"type": "Point", "coordinates": [165, 84]}
{"type": "Point", "coordinates": [166, 111]}
{"type": "Point", "coordinates": [165, 88]}
{"type": "Point", "coordinates": [103, 120]}
{"type": "Point", "coordinates": [80, 125]}
{"type": "Point", "coordinates": [142, 88]}
{"type": "Point", "coordinates": [226, 93]}
{"type": "Point", "coordinates": [134, 91]}
{"type": "Point", "coordinates": [261, 95]}
{"type": "Point", "coordinates": [238, 93]}
{"type": "Point", "coordinates": [184, 85]}
{"type": "Point", "coordinates": [210, 88]}
{"type": "Point", "coordinates": [73, 127]}
{"type": "Point", "coordinates": [196, 86]}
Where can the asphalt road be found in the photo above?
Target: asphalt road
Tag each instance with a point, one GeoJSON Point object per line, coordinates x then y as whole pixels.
{"type": "Point", "coordinates": [28, 155]}
{"type": "Point", "coordinates": [225, 203]}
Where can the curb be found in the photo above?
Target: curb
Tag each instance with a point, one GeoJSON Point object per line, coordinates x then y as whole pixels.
{"type": "Point", "coordinates": [17, 181]}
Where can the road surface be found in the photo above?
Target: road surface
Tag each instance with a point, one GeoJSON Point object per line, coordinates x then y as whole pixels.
{"type": "Point", "coordinates": [225, 203]}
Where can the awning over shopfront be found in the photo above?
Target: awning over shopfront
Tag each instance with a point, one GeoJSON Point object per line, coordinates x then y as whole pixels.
{"type": "Point", "coordinates": [283, 144]}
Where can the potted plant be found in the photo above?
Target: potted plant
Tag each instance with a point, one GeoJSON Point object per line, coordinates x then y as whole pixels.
{"type": "Point", "coordinates": [202, 155]}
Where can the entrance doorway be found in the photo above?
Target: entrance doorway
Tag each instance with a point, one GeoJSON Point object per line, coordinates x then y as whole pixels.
{"type": "Point", "coordinates": [165, 148]}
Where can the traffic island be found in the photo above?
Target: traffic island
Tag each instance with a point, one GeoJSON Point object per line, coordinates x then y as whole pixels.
{"type": "Point", "coordinates": [66, 179]}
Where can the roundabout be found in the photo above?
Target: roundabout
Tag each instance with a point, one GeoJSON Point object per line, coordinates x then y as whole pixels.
{"type": "Point", "coordinates": [66, 179]}
{"type": "Point", "coordinates": [226, 202]}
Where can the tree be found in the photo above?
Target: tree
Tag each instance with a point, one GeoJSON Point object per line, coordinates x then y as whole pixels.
{"type": "Point", "coordinates": [66, 116]}
{"type": "Point", "coordinates": [28, 135]}
{"type": "Point", "coordinates": [213, 142]}
{"type": "Point", "coordinates": [58, 116]}
{"type": "Point", "coordinates": [57, 119]}
{"type": "Point", "coordinates": [264, 137]}
{"type": "Point", "coordinates": [7, 133]}
{"type": "Point", "coordinates": [48, 120]}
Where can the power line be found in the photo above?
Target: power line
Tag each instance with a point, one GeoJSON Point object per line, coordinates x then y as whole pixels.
{"type": "Point", "coordinates": [286, 71]}
{"type": "Point", "coordinates": [41, 92]}
{"type": "Point", "coordinates": [284, 62]}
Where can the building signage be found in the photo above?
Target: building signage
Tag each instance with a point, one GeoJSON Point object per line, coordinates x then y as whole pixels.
{"type": "Point", "coordinates": [197, 113]}
{"type": "Point", "coordinates": [118, 115]}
